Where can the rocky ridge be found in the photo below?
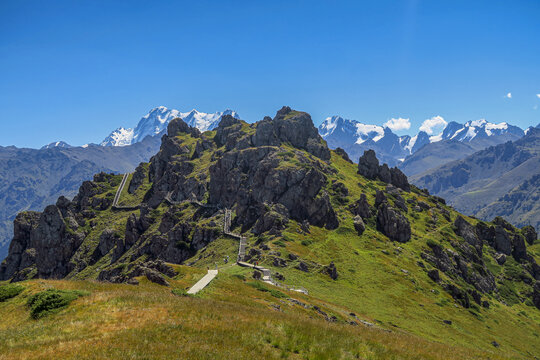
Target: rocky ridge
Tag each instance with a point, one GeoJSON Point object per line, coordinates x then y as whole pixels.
{"type": "Point", "coordinates": [276, 174]}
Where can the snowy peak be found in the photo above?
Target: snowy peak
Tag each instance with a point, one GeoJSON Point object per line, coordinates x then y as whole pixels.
{"type": "Point", "coordinates": [156, 121]}
{"type": "Point", "coordinates": [338, 126]}
{"type": "Point", "coordinates": [477, 129]}
{"type": "Point", "coordinates": [57, 144]}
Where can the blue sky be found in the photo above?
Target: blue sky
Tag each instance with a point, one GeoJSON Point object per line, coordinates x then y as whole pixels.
{"type": "Point", "coordinates": [75, 70]}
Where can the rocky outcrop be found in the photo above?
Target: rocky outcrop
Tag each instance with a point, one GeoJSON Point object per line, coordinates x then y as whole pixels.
{"type": "Point", "coordinates": [331, 271]}
{"type": "Point", "coordinates": [362, 208]}
{"type": "Point", "coordinates": [298, 189]}
{"type": "Point", "coordinates": [530, 234]}
{"type": "Point", "coordinates": [393, 224]}
{"type": "Point", "coordinates": [137, 179]}
{"type": "Point", "coordinates": [502, 243]}
{"type": "Point", "coordinates": [468, 232]}
{"type": "Point", "coordinates": [293, 127]}
{"type": "Point", "coordinates": [368, 166]}
{"type": "Point", "coordinates": [343, 154]}
{"type": "Point", "coordinates": [359, 225]}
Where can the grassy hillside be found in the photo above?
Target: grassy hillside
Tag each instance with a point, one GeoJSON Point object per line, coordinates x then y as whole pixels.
{"type": "Point", "coordinates": [369, 297]}
{"type": "Point", "coordinates": [228, 320]}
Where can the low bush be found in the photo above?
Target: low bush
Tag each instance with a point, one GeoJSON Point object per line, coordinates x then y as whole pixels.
{"type": "Point", "coordinates": [51, 301]}
{"type": "Point", "coordinates": [9, 291]}
{"type": "Point", "coordinates": [179, 292]}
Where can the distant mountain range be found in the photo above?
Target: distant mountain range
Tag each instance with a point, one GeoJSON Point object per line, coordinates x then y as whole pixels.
{"type": "Point", "coordinates": [32, 178]}
{"type": "Point", "coordinates": [355, 137]}
{"type": "Point", "coordinates": [155, 122]}
{"type": "Point", "coordinates": [502, 180]}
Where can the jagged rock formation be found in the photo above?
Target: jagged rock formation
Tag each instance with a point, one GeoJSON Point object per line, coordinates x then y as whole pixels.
{"type": "Point", "coordinates": [284, 158]}
{"type": "Point", "coordinates": [368, 166]}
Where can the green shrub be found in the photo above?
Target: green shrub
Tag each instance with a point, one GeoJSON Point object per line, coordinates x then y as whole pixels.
{"type": "Point", "coordinates": [279, 243]}
{"type": "Point", "coordinates": [179, 292]}
{"type": "Point", "coordinates": [277, 294]}
{"type": "Point", "coordinates": [9, 291]}
{"type": "Point", "coordinates": [261, 287]}
{"type": "Point", "coordinates": [306, 242]}
{"type": "Point", "coordinates": [258, 285]}
{"type": "Point", "coordinates": [240, 276]}
{"type": "Point", "coordinates": [51, 301]}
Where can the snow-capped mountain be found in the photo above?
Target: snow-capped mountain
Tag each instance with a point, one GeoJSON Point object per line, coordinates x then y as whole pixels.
{"type": "Point", "coordinates": [57, 144]}
{"type": "Point", "coordinates": [478, 129]}
{"type": "Point", "coordinates": [355, 137]}
{"type": "Point", "coordinates": [156, 121]}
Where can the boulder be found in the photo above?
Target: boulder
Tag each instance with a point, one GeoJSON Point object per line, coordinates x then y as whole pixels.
{"type": "Point", "coordinates": [368, 165]}
{"type": "Point", "coordinates": [361, 207]}
{"type": "Point", "coordinates": [536, 294]}
{"type": "Point", "coordinates": [519, 248]}
{"type": "Point", "coordinates": [279, 262]}
{"type": "Point", "coordinates": [359, 225]}
{"type": "Point", "coordinates": [331, 271]}
{"type": "Point", "coordinates": [379, 198]}
{"type": "Point", "coordinates": [343, 154]}
{"type": "Point", "coordinates": [302, 266]}
{"type": "Point", "coordinates": [434, 275]}
{"type": "Point", "coordinates": [468, 232]}
{"type": "Point", "coordinates": [503, 243]}
{"type": "Point", "coordinates": [530, 234]}
{"type": "Point", "coordinates": [500, 258]}
{"type": "Point", "coordinates": [393, 224]}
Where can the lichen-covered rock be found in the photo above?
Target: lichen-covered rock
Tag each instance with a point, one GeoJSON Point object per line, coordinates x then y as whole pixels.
{"type": "Point", "coordinates": [359, 225]}
{"type": "Point", "coordinates": [393, 224]}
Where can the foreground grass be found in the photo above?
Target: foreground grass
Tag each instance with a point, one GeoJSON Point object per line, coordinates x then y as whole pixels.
{"type": "Point", "coordinates": [228, 320]}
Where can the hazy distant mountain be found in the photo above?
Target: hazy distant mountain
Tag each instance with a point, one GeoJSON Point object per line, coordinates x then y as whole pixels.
{"type": "Point", "coordinates": [57, 144]}
{"type": "Point", "coordinates": [30, 178]}
{"type": "Point", "coordinates": [438, 153]}
{"type": "Point", "coordinates": [156, 122]}
{"type": "Point", "coordinates": [355, 137]}
{"type": "Point", "coordinates": [500, 180]}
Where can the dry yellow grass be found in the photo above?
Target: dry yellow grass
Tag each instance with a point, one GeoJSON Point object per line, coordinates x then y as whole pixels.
{"type": "Point", "coordinates": [230, 320]}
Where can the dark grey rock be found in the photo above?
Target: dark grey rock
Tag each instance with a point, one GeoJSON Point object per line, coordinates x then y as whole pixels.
{"type": "Point", "coordinates": [393, 224]}
{"type": "Point", "coordinates": [331, 271]}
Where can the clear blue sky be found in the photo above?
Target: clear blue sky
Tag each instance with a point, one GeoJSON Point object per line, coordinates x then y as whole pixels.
{"type": "Point", "coordinates": [75, 70]}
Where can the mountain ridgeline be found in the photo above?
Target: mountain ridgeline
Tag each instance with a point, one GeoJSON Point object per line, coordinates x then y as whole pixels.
{"type": "Point", "coordinates": [502, 180]}
{"type": "Point", "coordinates": [33, 178]}
{"type": "Point", "coordinates": [282, 183]}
